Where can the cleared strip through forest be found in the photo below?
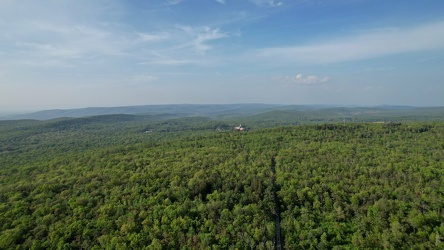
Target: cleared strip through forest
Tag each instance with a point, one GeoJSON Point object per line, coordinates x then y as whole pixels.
{"type": "Point", "coordinates": [276, 206]}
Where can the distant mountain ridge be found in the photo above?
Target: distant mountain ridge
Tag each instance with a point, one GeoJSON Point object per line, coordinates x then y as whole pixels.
{"type": "Point", "coordinates": [224, 111]}
{"type": "Point", "coordinates": [176, 109]}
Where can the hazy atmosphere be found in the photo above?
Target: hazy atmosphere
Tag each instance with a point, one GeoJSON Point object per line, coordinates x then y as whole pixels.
{"type": "Point", "coordinates": [71, 54]}
{"type": "Point", "coordinates": [221, 124]}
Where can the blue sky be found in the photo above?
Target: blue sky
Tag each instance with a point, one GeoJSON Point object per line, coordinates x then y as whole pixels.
{"type": "Point", "coordinates": [73, 54]}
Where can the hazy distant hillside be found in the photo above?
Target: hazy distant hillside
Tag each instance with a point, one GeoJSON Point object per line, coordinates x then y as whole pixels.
{"type": "Point", "coordinates": [179, 110]}
{"type": "Point", "coordinates": [267, 114]}
{"type": "Point", "coordinates": [299, 115]}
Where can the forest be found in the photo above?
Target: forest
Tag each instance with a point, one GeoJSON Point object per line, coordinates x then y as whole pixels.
{"type": "Point", "coordinates": [144, 182]}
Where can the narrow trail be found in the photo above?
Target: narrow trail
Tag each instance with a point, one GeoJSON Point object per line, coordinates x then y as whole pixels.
{"type": "Point", "coordinates": [276, 207]}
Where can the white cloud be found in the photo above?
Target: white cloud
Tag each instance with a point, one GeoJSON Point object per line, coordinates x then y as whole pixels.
{"type": "Point", "coordinates": [220, 1]}
{"type": "Point", "coordinates": [304, 80]}
{"type": "Point", "coordinates": [371, 45]}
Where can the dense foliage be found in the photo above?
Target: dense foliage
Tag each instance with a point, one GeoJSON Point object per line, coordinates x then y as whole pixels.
{"type": "Point", "coordinates": [114, 185]}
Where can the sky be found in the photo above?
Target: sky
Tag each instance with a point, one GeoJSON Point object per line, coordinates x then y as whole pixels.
{"type": "Point", "coordinates": [58, 54]}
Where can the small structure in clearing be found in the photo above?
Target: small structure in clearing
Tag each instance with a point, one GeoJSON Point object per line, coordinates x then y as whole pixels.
{"type": "Point", "coordinates": [240, 128]}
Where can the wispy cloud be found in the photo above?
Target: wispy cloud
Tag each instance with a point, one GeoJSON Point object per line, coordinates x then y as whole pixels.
{"type": "Point", "coordinates": [169, 62]}
{"type": "Point", "coordinates": [47, 43]}
{"type": "Point", "coordinates": [50, 41]}
{"type": "Point", "coordinates": [200, 38]}
{"type": "Point", "coordinates": [174, 2]}
{"type": "Point", "coordinates": [300, 79]}
{"type": "Point", "coordinates": [149, 37]}
{"type": "Point", "coordinates": [364, 46]}
{"type": "Point", "coordinates": [271, 3]}
{"type": "Point", "coordinates": [220, 1]}
{"type": "Point", "coordinates": [49, 50]}
{"type": "Point", "coordinates": [143, 78]}
{"type": "Point", "coordinates": [59, 44]}
{"type": "Point", "coordinates": [46, 63]}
